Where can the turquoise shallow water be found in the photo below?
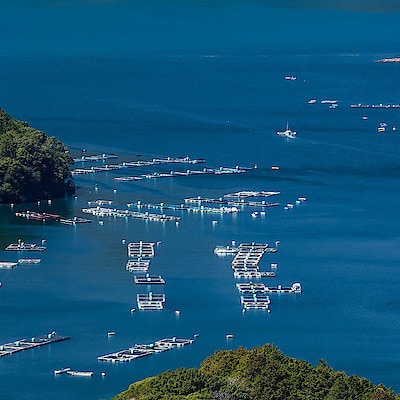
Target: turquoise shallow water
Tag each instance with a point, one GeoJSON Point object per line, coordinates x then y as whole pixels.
{"type": "Point", "coordinates": [221, 100]}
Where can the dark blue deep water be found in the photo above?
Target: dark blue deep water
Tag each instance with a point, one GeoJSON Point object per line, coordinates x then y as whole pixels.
{"type": "Point", "coordinates": [206, 79]}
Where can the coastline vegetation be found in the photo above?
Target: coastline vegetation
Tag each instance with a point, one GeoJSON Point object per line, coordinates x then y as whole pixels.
{"type": "Point", "coordinates": [262, 373]}
{"type": "Point", "coordinates": [33, 165]}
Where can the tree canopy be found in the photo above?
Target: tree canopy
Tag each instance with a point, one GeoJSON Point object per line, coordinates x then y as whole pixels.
{"type": "Point", "coordinates": [32, 165]}
{"type": "Point", "coordinates": [262, 373]}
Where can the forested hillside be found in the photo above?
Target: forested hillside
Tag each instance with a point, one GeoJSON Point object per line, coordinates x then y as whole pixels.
{"type": "Point", "coordinates": [32, 165]}
{"type": "Point", "coordinates": [263, 373]}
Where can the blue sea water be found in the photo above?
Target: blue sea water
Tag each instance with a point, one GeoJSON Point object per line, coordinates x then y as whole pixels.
{"type": "Point", "coordinates": [206, 80]}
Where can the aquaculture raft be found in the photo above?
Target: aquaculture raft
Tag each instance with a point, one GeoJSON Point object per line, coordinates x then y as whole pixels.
{"type": "Point", "coordinates": [143, 350]}
{"type": "Point", "coordinates": [26, 344]}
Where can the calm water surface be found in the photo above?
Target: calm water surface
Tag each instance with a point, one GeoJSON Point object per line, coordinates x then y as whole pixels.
{"type": "Point", "coordinates": [217, 92]}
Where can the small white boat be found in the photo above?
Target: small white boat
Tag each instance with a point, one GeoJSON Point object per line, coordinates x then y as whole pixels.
{"type": "Point", "coordinates": [229, 336]}
{"type": "Point", "coordinates": [287, 133]}
{"type": "Point", "coordinates": [61, 371]}
{"type": "Point", "coordinates": [8, 264]}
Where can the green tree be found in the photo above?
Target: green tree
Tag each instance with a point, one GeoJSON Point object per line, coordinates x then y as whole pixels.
{"type": "Point", "coordinates": [32, 164]}
{"type": "Point", "coordinates": [263, 373]}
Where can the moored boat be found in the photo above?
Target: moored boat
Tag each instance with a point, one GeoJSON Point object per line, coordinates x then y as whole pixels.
{"type": "Point", "coordinates": [287, 133]}
{"type": "Point", "coordinates": [8, 264]}
{"type": "Point", "coordinates": [61, 371]}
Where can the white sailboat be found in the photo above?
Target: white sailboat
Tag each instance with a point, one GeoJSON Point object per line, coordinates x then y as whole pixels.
{"type": "Point", "coordinates": [287, 133]}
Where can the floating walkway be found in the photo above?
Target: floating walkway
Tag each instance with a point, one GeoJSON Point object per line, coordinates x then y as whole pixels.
{"type": "Point", "coordinates": [245, 265]}
{"type": "Point", "coordinates": [113, 212]}
{"type": "Point", "coordinates": [68, 371]}
{"type": "Point", "coordinates": [149, 280]}
{"type": "Point", "coordinates": [150, 301]}
{"type": "Point", "coordinates": [33, 215]}
{"type": "Point", "coordinates": [254, 296]}
{"type": "Point", "coordinates": [141, 249]}
{"type": "Point", "coordinates": [255, 300]}
{"type": "Point", "coordinates": [251, 287]}
{"type": "Point", "coordinates": [74, 221]}
{"type": "Point", "coordinates": [138, 264]}
{"type": "Point", "coordinates": [235, 203]}
{"type": "Point", "coordinates": [95, 158]}
{"type": "Point", "coordinates": [244, 194]}
{"type": "Point", "coordinates": [249, 255]}
{"type": "Point", "coordinates": [380, 105]}
{"type": "Point", "coordinates": [38, 216]}
{"type": "Point", "coordinates": [127, 164]}
{"type": "Point", "coordinates": [100, 203]}
{"type": "Point", "coordinates": [140, 255]}
{"type": "Point", "coordinates": [27, 344]}
{"type": "Point", "coordinates": [294, 288]}
{"type": "Point", "coordinates": [174, 174]}
{"type": "Point", "coordinates": [85, 374]}
{"type": "Point", "coordinates": [143, 350]}
{"type": "Point", "coordinates": [260, 287]}
{"type": "Point", "coordinates": [183, 207]}
{"type": "Point", "coordinates": [22, 246]}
